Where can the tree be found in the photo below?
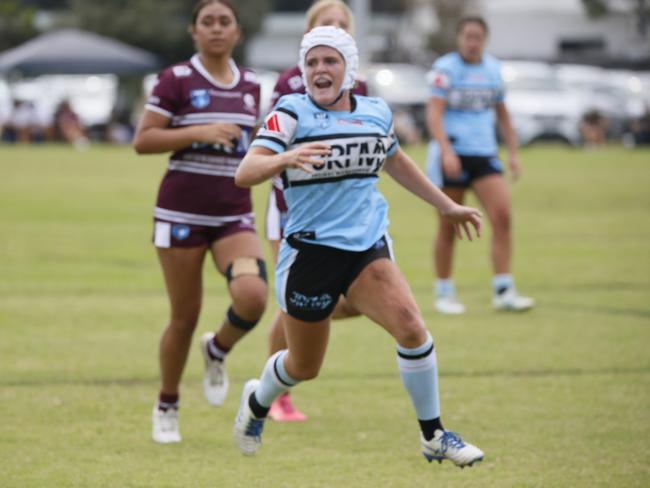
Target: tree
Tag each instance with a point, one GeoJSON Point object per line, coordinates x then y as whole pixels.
{"type": "Point", "coordinates": [159, 27]}
{"type": "Point", "coordinates": [449, 13]}
{"type": "Point", "coordinates": [600, 8]}
{"type": "Point", "coordinates": [16, 23]}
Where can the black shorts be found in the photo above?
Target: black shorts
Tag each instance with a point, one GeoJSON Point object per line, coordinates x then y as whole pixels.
{"type": "Point", "coordinates": [310, 278]}
{"type": "Point", "coordinates": [473, 168]}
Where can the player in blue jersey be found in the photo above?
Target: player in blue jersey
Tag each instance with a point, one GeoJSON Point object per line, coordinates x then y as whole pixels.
{"type": "Point", "coordinates": [329, 147]}
{"type": "Point", "coordinates": [467, 90]}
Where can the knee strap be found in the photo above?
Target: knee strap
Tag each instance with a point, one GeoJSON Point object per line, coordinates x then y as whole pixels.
{"type": "Point", "coordinates": [236, 321]}
{"type": "Point", "coordinates": [246, 266]}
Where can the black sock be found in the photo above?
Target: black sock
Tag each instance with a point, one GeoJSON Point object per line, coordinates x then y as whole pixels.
{"type": "Point", "coordinates": [259, 411]}
{"type": "Point", "coordinates": [167, 401]}
{"type": "Point", "coordinates": [429, 427]}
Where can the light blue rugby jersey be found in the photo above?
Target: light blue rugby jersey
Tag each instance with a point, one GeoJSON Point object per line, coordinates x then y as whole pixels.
{"type": "Point", "coordinates": [471, 92]}
{"type": "Point", "coordinates": [339, 204]}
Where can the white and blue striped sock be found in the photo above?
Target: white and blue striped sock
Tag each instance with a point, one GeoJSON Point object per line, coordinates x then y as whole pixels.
{"type": "Point", "coordinates": [419, 371]}
{"type": "Point", "coordinates": [445, 288]}
{"type": "Point", "coordinates": [274, 380]}
{"type": "Point", "coordinates": [502, 282]}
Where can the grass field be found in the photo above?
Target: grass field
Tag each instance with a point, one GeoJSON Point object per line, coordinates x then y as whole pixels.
{"type": "Point", "coordinates": [556, 397]}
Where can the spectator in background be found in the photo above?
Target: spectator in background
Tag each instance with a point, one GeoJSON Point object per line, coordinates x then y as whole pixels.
{"type": "Point", "coordinates": [640, 128]}
{"type": "Point", "coordinates": [21, 122]}
{"type": "Point", "coordinates": [68, 126]}
{"type": "Point", "coordinates": [118, 129]}
{"type": "Point", "coordinates": [593, 128]}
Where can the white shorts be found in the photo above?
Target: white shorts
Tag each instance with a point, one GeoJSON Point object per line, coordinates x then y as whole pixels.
{"type": "Point", "coordinates": [275, 219]}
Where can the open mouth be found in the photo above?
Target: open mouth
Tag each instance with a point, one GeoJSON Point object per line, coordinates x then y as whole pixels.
{"type": "Point", "coordinates": [322, 83]}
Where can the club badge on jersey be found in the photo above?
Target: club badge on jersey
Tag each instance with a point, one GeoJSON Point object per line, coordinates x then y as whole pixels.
{"type": "Point", "coordinates": [323, 119]}
{"type": "Point", "coordinates": [200, 98]}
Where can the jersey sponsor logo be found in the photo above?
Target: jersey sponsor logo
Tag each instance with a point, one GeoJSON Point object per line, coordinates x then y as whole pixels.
{"type": "Point", "coordinates": [225, 94]}
{"type": "Point", "coordinates": [474, 99]}
{"type": "Point", "coordinates": [249, 102]}
{"type": "Point", "coordinates": [200, 98]}
{"type": "Point", "coordinates": [272, 123]}
{"type": "Point", "coordinates": [250, 76]}
{"type": "Point", "coordinates": [438, 79]}
{"type": "Point", "coordinates": [180, 231]}
{"type": "Point", "coordinates": [181, 71]}
{"type": "Point", "coordinates": [349, 121]}
{"type": "Point", "coordinates": [354, 157]}
{"type": "Point", "coordinates": [305, 302]}
{"type": "Point", "coordinates": [295, 82]}
{"type": "Point", "coordinates": [241, 145]}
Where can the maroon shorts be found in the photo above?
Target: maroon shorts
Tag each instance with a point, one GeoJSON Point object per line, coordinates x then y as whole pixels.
{"type": "Point", "coordinates": [172, 234]}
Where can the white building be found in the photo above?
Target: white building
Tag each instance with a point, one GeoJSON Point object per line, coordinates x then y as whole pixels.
{"type": "Point", "coordinates": [561, 30]}
{"type": "Point", "coordinates": [551, 30]}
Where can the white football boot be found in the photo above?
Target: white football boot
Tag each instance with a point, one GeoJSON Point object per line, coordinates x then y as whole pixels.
{"type": "Point", "coordinates": [448, 445]}
{"type": "Point", "coordinates": [248, 429]}
{"type": "Point", "coordinates": [511, 301]}
{"type": "Point", "coordinates": [215, 378]}
{"type": "Point", "coordinates": [165, 425]}
{"type": "Point", "coordinates": [449, 305]}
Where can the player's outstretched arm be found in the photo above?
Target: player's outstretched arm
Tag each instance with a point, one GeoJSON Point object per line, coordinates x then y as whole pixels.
{"type": "Point", "coordinates": [261, 163]}
{"type": "Point", "coordinates": [404, 170]}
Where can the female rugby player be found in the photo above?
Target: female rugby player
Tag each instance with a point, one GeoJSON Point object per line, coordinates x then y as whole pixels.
{"type": "Point", "coordinates": [203, 111]}
{"type": "Point", "coordinates": [329, 146]}
{"type": "Point", "coordinates": [466, 91]}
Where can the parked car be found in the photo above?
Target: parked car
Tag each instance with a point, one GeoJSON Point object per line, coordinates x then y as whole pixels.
{"type": "Point", "coordinates": [616, 94]}
{"type": "Point", "coordinates": [541, 105]}
{"type": "Point", "coordinates": [406, 90]}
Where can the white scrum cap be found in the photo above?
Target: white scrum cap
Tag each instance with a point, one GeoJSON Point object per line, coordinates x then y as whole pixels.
{"type": "Point", "coordinates": [335, 38]}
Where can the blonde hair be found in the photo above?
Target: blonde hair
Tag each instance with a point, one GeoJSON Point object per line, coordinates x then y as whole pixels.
{"type": "Point", "coordinates": [320, 6]}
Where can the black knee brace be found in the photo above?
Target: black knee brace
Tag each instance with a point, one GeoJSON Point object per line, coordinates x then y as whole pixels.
{"type": "Point", "coordinates": [238, 322]}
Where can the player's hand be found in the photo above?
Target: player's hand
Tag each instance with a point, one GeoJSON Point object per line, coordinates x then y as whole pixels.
{"type": "Point", "coordinates": [451, 164]}
{"type": "Point", "coordinates": [464, 218]}
{"type": "Point", "coordinates": [306, 156]}
{"type": "Point", "coordinates": [226, 135]}
{"type": "Point", "coordinates": [515, 168]}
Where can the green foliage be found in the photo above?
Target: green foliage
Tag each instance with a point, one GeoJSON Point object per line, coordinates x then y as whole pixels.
{"type": "Point", "coordinates": [15, 23]}
{"type": "Point", "coordinates": [596, 8]}
{"type": "Point", "coordinates": [449, 13]}
{"type": "Point", "coordinates": [558, 397]}
{"type": "Point", "coordinates": [159, 27]}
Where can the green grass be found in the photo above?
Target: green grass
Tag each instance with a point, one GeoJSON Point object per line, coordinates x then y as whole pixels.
{"type": "Point", "coordinates": [556, 397]}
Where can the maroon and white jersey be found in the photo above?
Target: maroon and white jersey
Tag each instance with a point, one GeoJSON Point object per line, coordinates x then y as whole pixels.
{"type": "Point", "coordinates": [198, 187]}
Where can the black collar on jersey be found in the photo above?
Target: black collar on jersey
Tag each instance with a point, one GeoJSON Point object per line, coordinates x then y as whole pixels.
{"type": "Point", "coordinates": [353, 102]}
